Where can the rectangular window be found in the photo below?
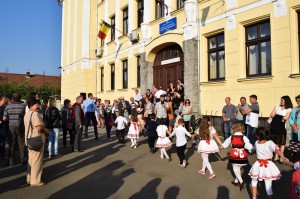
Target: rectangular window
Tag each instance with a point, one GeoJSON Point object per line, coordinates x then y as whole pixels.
{"type": "Point", "coordinates": [180, 4]}
{"type": "Point", "coordinates": [140, 13]}
{"type": "Point", "coordinates": [125, 21]}
{"type": "Point", "coordinates": [160, 10]}
{"type": "Point", "coordinates": [112, 77]}
{"type": "Point", "coordinates": [258, 49]}
{"type": "Point", "coordinates": [125, 74]}
{"type": "Point", "coordinates": [138, 71]}
{"type": "Point", "coordinates": [112, 23]}
{"type": "Point", "coordinates": [216, 57]}
{"type": "Point", "coordinates": [102, 79]}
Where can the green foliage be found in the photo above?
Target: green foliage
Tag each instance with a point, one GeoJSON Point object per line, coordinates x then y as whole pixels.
{"type": "Point", "coordinates": [24, 89]}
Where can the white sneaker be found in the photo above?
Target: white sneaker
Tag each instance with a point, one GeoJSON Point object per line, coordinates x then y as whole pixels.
{"type": "Point", "coordinates": [135, 146]}
{"type": "Point", "coordinates": [132, 145]}
{"type": "Point", "coordinates": [184, 164]}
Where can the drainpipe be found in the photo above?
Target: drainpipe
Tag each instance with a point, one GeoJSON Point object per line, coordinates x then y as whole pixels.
{"type": "Point", "coordinates": [198, 60]}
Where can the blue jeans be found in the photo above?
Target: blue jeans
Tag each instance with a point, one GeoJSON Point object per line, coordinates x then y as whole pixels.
{"type": "Point", "coordinates": [53, 140]}
{"type": "Point", "coordinates": [251, 134]}
{"type": "Point", "coordinates": [227, 129]}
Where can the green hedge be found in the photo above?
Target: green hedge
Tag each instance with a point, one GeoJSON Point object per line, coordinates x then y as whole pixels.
{"type": "Point", "coordinates": [24, 89]}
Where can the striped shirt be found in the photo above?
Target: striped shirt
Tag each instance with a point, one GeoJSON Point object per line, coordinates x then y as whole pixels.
{"type": "Point", "coordinates": [13, 111]}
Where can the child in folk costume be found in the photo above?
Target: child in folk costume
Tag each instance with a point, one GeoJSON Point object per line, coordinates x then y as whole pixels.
{"type": "Point", "coordinates": [264, 168]}
{"type": "Point", "coordinates": [238, 154]}
{"type": "Point", "coordinates": [207, 144]}
{"type": "Point", "coordinates": [181, 141]}
{"type": "Point", "coordinates": [163, 141]}
{"type": "Point", "coordinates": [133, 133]}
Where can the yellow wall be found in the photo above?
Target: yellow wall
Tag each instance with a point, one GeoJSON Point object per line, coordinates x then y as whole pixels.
{"type": "Point", "coordinates": [284, 48]}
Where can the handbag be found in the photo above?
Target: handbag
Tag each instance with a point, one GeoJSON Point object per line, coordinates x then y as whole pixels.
{"type": "Point", "coordinates": [33, 143]}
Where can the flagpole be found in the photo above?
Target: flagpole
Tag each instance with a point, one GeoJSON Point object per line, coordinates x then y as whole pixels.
{"type": "Point", "coordinates": [116, 29]}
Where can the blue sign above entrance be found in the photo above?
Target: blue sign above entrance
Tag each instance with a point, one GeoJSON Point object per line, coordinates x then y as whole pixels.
{"type": "Point", "coordinates": [165, 26]}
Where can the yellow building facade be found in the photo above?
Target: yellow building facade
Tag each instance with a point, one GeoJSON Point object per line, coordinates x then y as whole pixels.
{"type": "Point", "coordinates": [219, 48]}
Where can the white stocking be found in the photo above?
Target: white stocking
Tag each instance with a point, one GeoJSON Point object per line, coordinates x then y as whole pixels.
{"type": "Point", "coordinates": [237, 172]}
{"type": "Point", "coordinates": [206, 163]}
{"type": "Point", "coordinates": [165, 152]}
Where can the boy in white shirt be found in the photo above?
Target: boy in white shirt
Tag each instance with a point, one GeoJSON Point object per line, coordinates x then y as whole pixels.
{"type": "Point", "coordinates": [181, 141]}
{"type": "Point", "coordinates": [121, 122]}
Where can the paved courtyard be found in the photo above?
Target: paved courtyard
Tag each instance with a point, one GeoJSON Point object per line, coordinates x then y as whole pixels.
{"type": "Point", "coordinates": [113, 170]}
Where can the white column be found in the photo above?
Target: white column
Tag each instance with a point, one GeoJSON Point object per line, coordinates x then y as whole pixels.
{"type": "Point", "coordinates": [147, 10]}
{"type": "Point", "coordinates": [63, 36]}
{"type": "Point", "coordinates": [117, 16]}
{"type": "Point", "coordinates": [85, 32]}
{"type": "Point", "coordinates": [168, 3]}
{"type": "Point", "coordinates": [145, 26]}
{"type": "Point", "coordinates": [68, 32]}
{"type": "Point", "coordinates": [107, 20]}
{"type": "Point", "coordinates": [75, 30]}
{"type": "Point", "coordinates": [130, 16]}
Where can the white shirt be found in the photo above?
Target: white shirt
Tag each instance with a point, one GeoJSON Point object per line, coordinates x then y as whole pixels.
{"type": "Point", "coordinates": [280, 111]}
{"type": "Point", "coordinates": [265, 151]}
{"type": "Point", "coordinates": [137, 97]}
{"type": "Point", "coordinates": [162, 131]}
{"type": "Point", "coordinates": [247, 146]}
{"type": "Point", "coordinates": [121, 121]}
{"type": "Point", "coordinates": [159, 93]}
{"type": "Point", "coordinates": [180, 133]}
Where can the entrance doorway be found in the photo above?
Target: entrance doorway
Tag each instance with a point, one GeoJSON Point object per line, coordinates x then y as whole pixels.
{"type": "Point", "coordinates": [168, 66]}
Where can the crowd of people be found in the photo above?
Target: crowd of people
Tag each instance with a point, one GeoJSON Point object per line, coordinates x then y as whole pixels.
{"type": "Point", "coordinates": [159, 115]}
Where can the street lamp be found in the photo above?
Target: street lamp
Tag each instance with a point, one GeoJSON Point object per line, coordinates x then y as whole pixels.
{"type": "Point", "coordinates": [163, 3]}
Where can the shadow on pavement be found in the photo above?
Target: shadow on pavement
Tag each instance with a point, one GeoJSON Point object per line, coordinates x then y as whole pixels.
{"type": "Point", "coordinates": [172, 192]}
{"type": "Point", "coordinates": [99, 184]}
{"type": "Point", "coordinates": [149, 190]}
{"type": "Point", "coordinates": [223, 193]}
{"type": "Point", "coordinates": [62, 168]}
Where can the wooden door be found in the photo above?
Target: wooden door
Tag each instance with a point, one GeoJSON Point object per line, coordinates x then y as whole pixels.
{"type": "Point", "coordinates": [164, 72]}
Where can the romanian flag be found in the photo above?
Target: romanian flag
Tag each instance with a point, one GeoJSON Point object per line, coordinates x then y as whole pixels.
{"type": "Point", "coordinates": [104, 29]}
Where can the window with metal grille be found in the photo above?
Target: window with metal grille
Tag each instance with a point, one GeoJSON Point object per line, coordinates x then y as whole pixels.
{"type": "Point", "coordinates": [180, 4]}
{"type": "Point", "coordinates": [140, 13]}
{"type": "Point", "coordinates": [112, 23]}
{"type": "Point", "coordinates": [125, 74]}
{"type": "Point", "coordinates": [102, 79]}
{"type": "Point", "coordinates": [138, 71]}
{"type": "Point", "coordinates": [125, 21]}
{"type": "Point", "coordinates": [112, 77]}
{"type": "Point", "coordinates": [160, 10]}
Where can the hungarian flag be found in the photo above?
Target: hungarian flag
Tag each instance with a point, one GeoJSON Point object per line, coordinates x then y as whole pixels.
{"type": "Point", "coordinates": [104, 29]}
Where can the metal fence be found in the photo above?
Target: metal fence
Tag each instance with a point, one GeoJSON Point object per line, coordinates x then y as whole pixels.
{"type": "Point", "coordinates": [217, 122]}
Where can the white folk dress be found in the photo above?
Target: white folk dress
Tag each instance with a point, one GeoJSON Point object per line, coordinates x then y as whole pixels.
{"type": "Point", "coordinates": [133, 132]}
{"type": "Point", "coordinates": [163, 141]}
{"type": "Point", "coordinates": [208, 146]}
{"type": "Point", "coordinates": [264, 168]}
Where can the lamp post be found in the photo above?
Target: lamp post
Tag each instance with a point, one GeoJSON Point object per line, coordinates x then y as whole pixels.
{"type": "Point", "coordinates": [161, 2]}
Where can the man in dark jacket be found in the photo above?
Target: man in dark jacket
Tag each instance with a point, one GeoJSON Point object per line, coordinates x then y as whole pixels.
{"type": "Point", "coordinates": [3, 127]}
{"type": "Point", "coordinates": [67, 123]}
{"type": "Point", "coordinates": [124, 105]}
{"type": "Point", "coordinates": [78, 116]}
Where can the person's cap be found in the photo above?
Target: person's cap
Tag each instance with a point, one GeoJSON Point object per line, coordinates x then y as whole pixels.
{"type": "Point", "coordinates": [121, 97]}
{"type": "Point", "coordinates": [297, 165]}
{"type": "Point", "coordinates": [131, 98]}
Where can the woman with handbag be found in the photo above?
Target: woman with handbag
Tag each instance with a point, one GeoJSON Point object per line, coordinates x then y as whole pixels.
{"type": "Point", "coordinates": [34, 140]}
{"type": "Point", "coordinates": [279, 116]}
